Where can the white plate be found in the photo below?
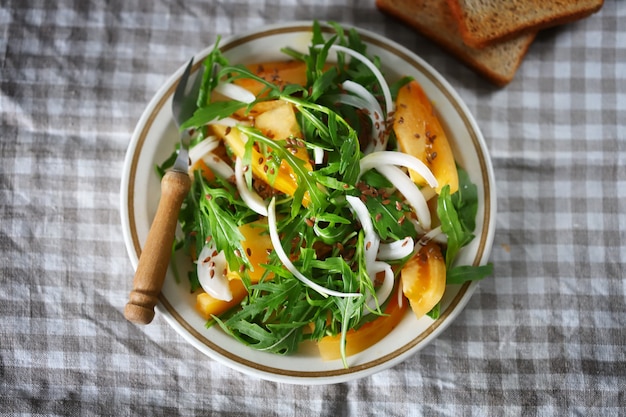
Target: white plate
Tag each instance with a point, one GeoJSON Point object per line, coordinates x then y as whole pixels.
{"type": "Point", "coordinates": [154, 138]}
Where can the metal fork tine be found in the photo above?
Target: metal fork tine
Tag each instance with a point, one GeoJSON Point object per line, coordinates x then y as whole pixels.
{"type": "Point", "coordinates": [179, 94]}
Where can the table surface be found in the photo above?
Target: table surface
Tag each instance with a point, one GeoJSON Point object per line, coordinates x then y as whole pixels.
{"type": "Point", "coordinates": [544, 336]}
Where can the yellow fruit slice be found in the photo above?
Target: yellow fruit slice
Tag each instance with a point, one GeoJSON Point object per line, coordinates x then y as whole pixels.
{"type": "Point", "coordinates": [208, 306]}
{"type": "Point", "coordinates": [420, 134]}
{"type": "Point", "coordinates": [278, 123]}
{"type": "Point", "coordinates": [257, 245]}
{"type": "Point", "coordinates": [367, 335]}
{"type": "Point", "coordinates": [424, 279]}
{"type": "Point", "coordinates": [279, 73]}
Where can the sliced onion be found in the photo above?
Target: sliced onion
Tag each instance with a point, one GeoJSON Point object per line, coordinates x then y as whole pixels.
{"type": "Point", "coordinates": [375, 114]}
{"type": "Point", "coordinates": [375, 159]}
{"type": "Point", "coordinates": [350, 100]}
{"type": "Point", "coordinates": [409, 190]}
{"type": "Point", "coordinates": [228, 122]}
{"type": "Point", "coordinates": [318, 155]}
{"type": "Point", "coordinates": [400, 296]}
{"type": "Point", "coordinates": [218, 165]}
{"type": "Point", "coordinates": [210, 267]}
{"type": "Point", "coordinates": [396, 250]}
{"type": "Point", "coordinates": [379, 141]}
{"type": "Point", "coordinates": [202, 148]}
{"type": "Point", "coordinates": [273, 229]}
{"type": "Point", "coordinates": [250, 197]}
{"type": "Point", "coordinates": [235, 92]}
{"type": "Point", "coordinates": [371, 239]}
{"type": "Point", "coordinates": [435, 234]}
{"type": "Point", "coordinates": [373, 68]}
{"type": "Point", "coordinates": [384, 290]}
{"type": "Point", "coordinates": [360, 91]}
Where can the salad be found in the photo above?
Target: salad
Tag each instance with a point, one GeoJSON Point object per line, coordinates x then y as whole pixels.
{"type": "Point", "coordinates": [325, 200]}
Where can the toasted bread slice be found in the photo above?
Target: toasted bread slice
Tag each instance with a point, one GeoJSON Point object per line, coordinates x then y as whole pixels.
{"type": "Point", "coordinates": [433, 19]}
{"type": "Point", "coordinates": [485, 22]}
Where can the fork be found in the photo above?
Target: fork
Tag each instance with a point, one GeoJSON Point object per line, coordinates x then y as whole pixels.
{"type": "Point", "coordinates": [175, 184]}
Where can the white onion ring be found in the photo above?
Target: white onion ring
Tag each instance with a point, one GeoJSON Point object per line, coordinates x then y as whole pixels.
{"type": "Point", "coordinates": [235, 92]}
{"type": "Point", "coordinates": [375, 159]}
{"type": "Point", "coordinates": [396, 250]}
{"type": "Point", "coordinates": [228, 122]}
{"type": "Point", "coordinates": [371, 239]}
{"type": "Point", "coordinates": [435, 234]}
{"type": "Point", "coordinates": [272, 226]}
{"type": "Point", "coordinates": [250, 197]}
{"type": "Point", "coordinates": [318, 155]}
{"type": "Point", "coordinates": [202, 148]}
{"type": "Point", "coordinates": [353, 101]}
{"type": "Point", "coordinates": [409, 190]}
{"type": "Point", "coordinates": [379, 142]}
{"type": "Point", "coordinates": [210, 267]}
{"type": "Point", "coordinates": [218, 165]}
{"type": "Point", "coordinates": [372, 67]}
{"type": "Point", "coordinates": [384, 290]}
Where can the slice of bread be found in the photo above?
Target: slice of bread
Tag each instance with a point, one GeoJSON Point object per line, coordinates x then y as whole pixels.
{"type": "Point", "coordinates": [433, 19]}
{"type": "Point", "coordinates": [485, 22]}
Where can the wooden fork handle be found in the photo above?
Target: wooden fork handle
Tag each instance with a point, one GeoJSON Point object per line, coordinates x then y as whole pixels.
{"type": "Point", "coordinates": [155, 256]}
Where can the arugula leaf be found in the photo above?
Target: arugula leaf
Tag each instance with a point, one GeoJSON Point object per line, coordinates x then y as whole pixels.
{"type": "Point", "coordinates": [274, 317]}
{"type": "Point", "coordinates": [336, 132]}
{"type": "Point", "coordinates": [435, 311]}
{"type": "Point", "coordinates": [388, 221]}
{"type": "Point", "coordinates": [232, 73]}
{"type": "Point", "coordinates": [464, 273]}
{"type": "Point", "coordinates": [305, 179]}
{"type": "Point", "coordinates": [212, 111]}
{"type": "Point", "coordinates": [209, 80]}
{"type": "Point", "coordinates": [465, 200]}
{"type": "Point", "coordinates": [457, 213]}
{"type": "Point", "coordinates": [216, 219]}
{"type": "Point", "coordinates": [396, 86]}
{"type": "Point", "coordinates": [323, 83]}
{"type": "Point", "coordinates": [458, 235]}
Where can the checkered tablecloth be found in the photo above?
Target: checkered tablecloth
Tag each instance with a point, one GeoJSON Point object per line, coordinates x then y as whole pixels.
{"type": "Point", "coordinates": [543, 337]}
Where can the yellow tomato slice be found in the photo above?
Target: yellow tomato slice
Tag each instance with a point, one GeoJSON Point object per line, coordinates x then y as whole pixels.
{"type": "Point", "coordinates": [424, 279]}
{"type": "Point", "coordinates": [279, 73]}
{"type": "Point", "coordinates": [420, 134]}
{"type": "Point", "coordinates": [278, 123]}
{"type": "Point", "coordinates": [209, 306]}
{"type": "Point", "coordinates": [258, 245]}
{"type": "Point", "coordinates": [367, 335]}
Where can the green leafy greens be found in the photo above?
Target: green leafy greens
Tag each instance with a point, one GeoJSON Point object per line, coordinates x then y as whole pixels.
{"type": "Point", "coordinates": [318, 228]}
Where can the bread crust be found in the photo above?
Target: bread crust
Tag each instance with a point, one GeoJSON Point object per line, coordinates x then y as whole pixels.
{"type": "Point", "coordinates": [433, 19]}
{"type": "Point", "coordinates": [486, 22]}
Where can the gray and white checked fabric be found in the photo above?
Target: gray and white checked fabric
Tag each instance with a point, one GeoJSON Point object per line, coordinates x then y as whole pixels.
{"type": "Point", "coordinates": [544, 337]}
